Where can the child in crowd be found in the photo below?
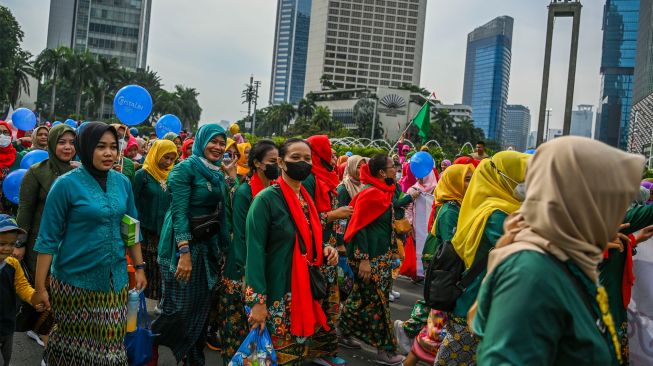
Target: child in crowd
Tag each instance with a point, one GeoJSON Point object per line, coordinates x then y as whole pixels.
{"type": "Point", "coordinates": [12, 283]}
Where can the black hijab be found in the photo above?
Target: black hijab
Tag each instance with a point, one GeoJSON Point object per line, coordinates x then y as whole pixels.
{"type": "Point", "coordinates": [85, 144]}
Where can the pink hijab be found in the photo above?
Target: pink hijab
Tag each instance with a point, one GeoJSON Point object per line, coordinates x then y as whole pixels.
{"type": "Point", "coordinates": [407, 178]}
{"type": "Point", "coordinates": [428, 184]}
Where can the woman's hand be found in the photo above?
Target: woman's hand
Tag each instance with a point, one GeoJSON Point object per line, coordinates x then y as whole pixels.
{"type": "Point", "coordinates": [644, 235]}
{"type": "Point", "coordinates": [341, 213]}
{"type": "Point", "coordinates": [230, 168]}
{"type": "Point", "coordinates": [257, 317]}
{"type": "Point", "coordinates": [618, 241]}
{"type": "Point", "coordinates": [184, 268]}
{"type": "Point", "coordinates": [365, 270]}
{"type": "Point", "coordinates": [141, 280]}
{"type": "Point", "coordinates": [41, 301]}
{"type": "Point", "coordinates": [331, 255]}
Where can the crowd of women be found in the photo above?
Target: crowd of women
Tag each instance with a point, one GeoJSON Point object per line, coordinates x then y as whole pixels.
{"type": "Point", "coordinates": [306, 244]}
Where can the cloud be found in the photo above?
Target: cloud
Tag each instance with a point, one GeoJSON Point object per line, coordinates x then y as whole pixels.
{"type": "Point", "coordinates": [214, 46]}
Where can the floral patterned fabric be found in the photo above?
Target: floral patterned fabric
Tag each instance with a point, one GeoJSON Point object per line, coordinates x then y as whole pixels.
{"type": "Point", "coordinates": [459, 344]}
{"type": "Point", "coordinates": [231, 318]}
{"type": "Point", "coordinates": [418, 319]}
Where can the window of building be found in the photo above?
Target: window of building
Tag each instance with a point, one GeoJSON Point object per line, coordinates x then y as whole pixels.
{"type": "Point", "coordinates": [409, 56]}
{"type": "Point", "coordinates": [374, 74]}
{"type": "Point", "coordinates": [364, 59]}
{"type": "Point", "coordinates": [341, 49]}
{"type": "Point", "coordinates": [397, 69]}
{"type": "Point", "coordinates": [365, 44]}
{"type": "Point", "coordinates": [397, 62]}
{"type": "Point", "coordinates": [387, 54]}
{"type": "Point", "coordinates": [376, 52]}
{"type": "Point", "coordinates": [364, 51]}
{"type": "Point", "coordinates": [342, 41]}
{"type": "Point", "coordinates": [344, 20]}
{"type": "Point", "coordinates": [343, 27]}
{"type": "Point", "coordinates": [408, 71]}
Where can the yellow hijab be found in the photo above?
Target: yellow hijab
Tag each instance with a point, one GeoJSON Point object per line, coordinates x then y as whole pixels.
{"type": "Point", "coordinates": [243, 168]}
{"type": "Point", "coordinates": [157, 151]}
{"type": "Point", "coordinates": [451, 186]}
{"type": "Point", "coordinates": [488, 191]}
{"type": "Point", "coordinates": [230, 143]}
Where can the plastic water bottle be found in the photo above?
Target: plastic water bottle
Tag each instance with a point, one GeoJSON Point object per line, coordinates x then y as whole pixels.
{"type": "Point", "coordinates": [396, 263]}
{"type": "Point", "coordinates": [133, 302]}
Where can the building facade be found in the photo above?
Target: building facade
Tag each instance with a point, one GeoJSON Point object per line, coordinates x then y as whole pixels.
{"type": "Point", "coordinates": [487, 74]}
{"type": "Point", "coordinates": [364, 43]}
{"type": "Point", "coordinates": [641, 117]}
{"type": "Point", "coordinates": [290, 51]}
{"type": "Point", "coordinates": [112, 28]}
{"type": "Point", "coordinates": [459, 112]}
{"type": "Point", "coordinates": [620, 23]}
{"type": "Point", "coordinates": [581, 121]}
{"type": "Point", "coordinates": [516, 127]}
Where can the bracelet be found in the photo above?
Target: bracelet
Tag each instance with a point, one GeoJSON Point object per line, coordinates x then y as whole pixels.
{"type": "Point", "coordinates": [140, 266]}
{"type": "Point", "coordinates": [184, 249]}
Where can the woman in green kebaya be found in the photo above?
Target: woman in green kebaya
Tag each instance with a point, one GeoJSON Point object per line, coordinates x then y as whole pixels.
{"type": "Point", "coordinates": [231, 315]}
{"type": "Point", "coordinates": [540, 303]}
{"type": "Point", "coordinates": [284, 237]}
{"type": "Point", "coordinates": [371, 246]}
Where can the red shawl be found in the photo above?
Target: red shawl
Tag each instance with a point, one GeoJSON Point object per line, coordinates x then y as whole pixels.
{"type": "Point", "coordinates": [255, 184]}
{"type": "Point", "coordinates": [325, 181]}
{"type": "Point", "coordinates": [184, 147]}
{"type": "Point", "coordinates": [7, 154]}
{"type": "Point", "coordinates": [467, 160]}
{"type": "Point", "coordinates": [305, 312]}
{"type": "Point", "coordinates": [628, 276]}
{"type": "Point", "coordinates": [370, 203]}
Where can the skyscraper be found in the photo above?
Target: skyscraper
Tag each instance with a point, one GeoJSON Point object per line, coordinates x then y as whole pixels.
{"type": "Point", "coordinates": [112, 28]}
{"type": "Point", "coordinates": [581, 121]}
{"type": "Point", "coordinates": [290, 50]}
{"type": "Point", "coordinates": [487, 74]}
{"type": "Point", "coordinates": [620, 22]}
{"type": "Point", "coordinates": [641, 117]}
{"type": "Point", "coordinates": [365, 43]}
{"type": "Point", "coordinates": [517, 126]}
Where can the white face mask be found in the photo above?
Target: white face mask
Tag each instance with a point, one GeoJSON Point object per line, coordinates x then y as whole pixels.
{"type": "Point", "coordinates": [5, 140]}
{"type": "Point", "coordinates": [519, 192]}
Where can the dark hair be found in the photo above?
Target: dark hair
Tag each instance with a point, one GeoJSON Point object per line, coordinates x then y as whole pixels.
{"type": "Point", "coordinates": [481, 143]}
{"type": "Point", "coordinates": [283, 149]}
{"type": "Point", "coordinates": [377, 162]}
{"type": "Point", "coordinates": [258, 152]}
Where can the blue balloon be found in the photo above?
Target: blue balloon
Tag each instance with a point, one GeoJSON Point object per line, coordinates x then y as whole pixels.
{"type": "Point", "coordinates": [23, 119]}
{"type": "Point", "coordinates": [79, 129]}
{"type": "Point", "coordinates": [33, 157]}
{"type": "Point", "coordinates": [133, 131]}
{"type": "Point", "coordinates": [132, 104]}
{"type": "Point", "coordinates": [421, 164]}
{"type": "Point", "coordinates": [349, 154]}
{"type": "Point", "coordinates": [56, 123]}
{"type": "Point", "coordinates": [530, 151]}
{"type": "Point", "coordinates": [167, 123]}
{"type": "Point", "coordinates": [11, 185]}
{"type": "Point", "coordinates": [71, 123]}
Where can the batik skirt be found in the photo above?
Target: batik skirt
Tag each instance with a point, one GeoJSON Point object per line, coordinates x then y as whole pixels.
{"type": "Point", "coordinates": [231, 318]}
{"type": "Point", "coordinates": [366, 313]}
{"type": "Point", "coordinates": [459, 344]}
{"type": "Point", "coordinates": [323, 343]}
{"type": "Point", "coordinates": [150, 247]}
{"type": "Point", "coordinates": [191, 302]}
{"type": "Point", "coordinates": [90, 326]}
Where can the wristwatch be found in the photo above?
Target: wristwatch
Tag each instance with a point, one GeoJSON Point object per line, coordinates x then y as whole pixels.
{"type": "Point", "coordinates": [19, 244]}
{"type": "Point", "coordinates": [140, 266]}
{"type": "Point", "coordinates": [185, 249]}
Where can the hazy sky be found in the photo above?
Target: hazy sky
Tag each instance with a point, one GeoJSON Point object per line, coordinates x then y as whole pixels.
{"type": "Point", "coordinates": [214, 46]}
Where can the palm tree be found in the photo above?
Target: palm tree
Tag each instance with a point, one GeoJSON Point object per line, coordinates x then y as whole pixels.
{"type": "Point", "coordinates": [190, 107]}
{"type": "Point", "coordinates": [306, 107]}
{"type": "Point", "coordinates": [83, 69]}
{"type": "Point", "coordinates": [22, 70]}
{"type": "Point", "coordinates": [322, 118]}
{"type": "Point", "coordinates": [51, 64]}
{"type": "Point", "coordinates": [108, 72]}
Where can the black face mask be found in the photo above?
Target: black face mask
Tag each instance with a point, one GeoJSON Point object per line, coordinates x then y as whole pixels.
{"type": "Point", "coordinates": [389, 181]}
{"type": "Point", "coordinates": [299, 170]}
{"type": "Point", "coordinates": [271, 171]}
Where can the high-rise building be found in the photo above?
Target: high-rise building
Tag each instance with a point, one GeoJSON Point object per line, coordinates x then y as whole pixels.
{"type": "Point", "coordinates": [620, 22]}
{"type": "Point", "coordinates": [365, 43]}
{"type": "Point", "coordinates": [641, 117]}
{"type": "Point", "coordinates": [516, 127]}
{"type": "Point", "coordinates": [112, 28]}
{"type": "Point", "coordinates": [290, 51]}
{"type": "Point", "coordinates": [487, 74]}
{"type": "Point", "coordinates": [532, 140]}
{"type": "Point", "coordinates": [581, 120]}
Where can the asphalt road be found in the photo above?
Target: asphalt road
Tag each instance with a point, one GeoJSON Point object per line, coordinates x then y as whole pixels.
{"type": "Point", "coordinates": [28, 353]}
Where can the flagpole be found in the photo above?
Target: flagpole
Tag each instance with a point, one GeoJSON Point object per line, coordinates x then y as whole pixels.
{"type": "Point", "coordinates": [428, 100]}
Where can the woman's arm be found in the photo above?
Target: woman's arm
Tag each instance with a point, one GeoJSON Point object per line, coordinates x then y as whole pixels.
{"type": "Point", "coordinates": [43, 262]}
{"type": "Point", "coordinates": [29, 197]}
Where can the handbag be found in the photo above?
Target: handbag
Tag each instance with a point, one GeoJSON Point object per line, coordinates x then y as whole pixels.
{"type": "Point", "coordinates": [138, 343]}
{"type": "Point", "coordinates": [169, 330]}
{"type": "Point", "coordinates": [402, 226]}
{"type": "Point", "coordinates": [256, 349]}
{"type": "Point", "coordinates": [204, 227]}
{"type": "Point", "coordinates": [446, 278]}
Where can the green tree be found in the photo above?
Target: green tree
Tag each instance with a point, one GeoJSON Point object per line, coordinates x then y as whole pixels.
{"type": "Point", "coordinates": [189, 106]}
{"type": "Point", "coordinates": [83, 70]}
{"type": "Point", "coordinates": [107, 82]}
{"type": "Point", "coordinates": [278, 117]}
{"type": "Point", "coordinates": [10, 37]}
{"type": "Point", "coordinates": [322, 119]}
{"type": "Point", "coordinates": [52, 65]}
{"type": "Point", "coordinates": [306, 107]}
{"type": "Point", "coordinates": [415, 89]}
{"type": "Point", "coordinates": [22, 71]}
{"type": "Point", "coordinates": [364, 118]}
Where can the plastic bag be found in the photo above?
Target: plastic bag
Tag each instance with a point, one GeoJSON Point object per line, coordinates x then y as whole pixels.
{"type": "Point", "coordinates": [256, 350]}
{"type": "Point", "coordinates": [139, 342]}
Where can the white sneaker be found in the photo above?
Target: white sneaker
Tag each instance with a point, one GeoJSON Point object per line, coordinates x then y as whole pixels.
{"type": "Point", "coordinates": [403, 340]}
{"type": "Point", "coordinates": [35, 337]}
{"type": "Point", "coordinates": [396, 294]}
{"type": "Point", "coordinates": [391, 297]}
{"type": "Point", "coordinates": [43, 363]}
{"type": "Point", "coordinates": [387, 358]}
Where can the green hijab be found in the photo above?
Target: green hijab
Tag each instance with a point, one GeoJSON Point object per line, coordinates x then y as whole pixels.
{"type": "Point", "coordinates": [210, 170]}
{"type": "Point", "coordinates": [170, 136]}
{"type": "Point", "coordinates": [49, 170]}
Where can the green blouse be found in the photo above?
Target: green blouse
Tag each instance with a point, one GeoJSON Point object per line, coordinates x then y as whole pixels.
{"type": "Point", "coordinates": [445, 228]}
{"type": "Point", "coordinates": [344, 199]}
{"type": "Point", "coordinates": [530, 313]}
{"type": "Point", "coordinates": [237, 252]}
{"type": "Point", "coordinates": [375, 239]}
{"type": "Point", "coordinates": [492, 232]}
{"type": "Point", "coordinates": [152, 201]}
{"type": "Point", "coordinates": [193, 195]}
